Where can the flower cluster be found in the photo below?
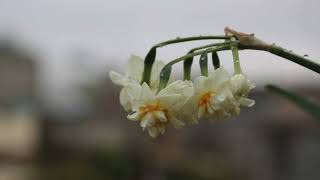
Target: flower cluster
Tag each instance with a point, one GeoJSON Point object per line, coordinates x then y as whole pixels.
{"type": "Point", "coordinates": [216, 96]}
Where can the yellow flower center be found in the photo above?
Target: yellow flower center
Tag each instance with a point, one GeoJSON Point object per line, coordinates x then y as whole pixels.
{"type": "Point", "coordinates": [149, 108]}
{"type": "Point", "coordinates": [205, 99]}
{"type": "Point", "coordinates": [153, 108]}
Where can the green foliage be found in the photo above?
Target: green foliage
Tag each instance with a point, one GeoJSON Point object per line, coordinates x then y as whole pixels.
{"type": "Point", "coordinates": [305, 103]}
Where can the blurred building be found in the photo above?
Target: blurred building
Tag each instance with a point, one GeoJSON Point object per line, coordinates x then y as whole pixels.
{"type": "Point", "coordinates": [19, 126]}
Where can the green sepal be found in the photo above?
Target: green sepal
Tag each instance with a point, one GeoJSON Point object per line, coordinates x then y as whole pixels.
{"type": "Point", "coordinates": [148, 62]}
{"type": "Point", "coordinates": [215, 60]}
{"type": "Point", "coordinates": [164, 76]}
{"type": "Point", "coordinates": [187, 67]}
{"type": "Point", "coordinates": [203, 62]}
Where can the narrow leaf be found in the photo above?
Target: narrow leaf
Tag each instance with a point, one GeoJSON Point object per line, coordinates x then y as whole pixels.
{"type": "Point", "coordinates": [305, 103]}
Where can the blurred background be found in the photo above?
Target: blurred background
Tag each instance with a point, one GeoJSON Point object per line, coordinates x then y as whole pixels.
{"type": "Point", "coordinates": [60, 116]}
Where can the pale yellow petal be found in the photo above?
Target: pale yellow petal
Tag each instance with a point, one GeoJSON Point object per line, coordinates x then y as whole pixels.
{"type": "Point", "coordinates": [146, 94]}
{"type": "Point", "coordinates": [218, 76]}
{"type": "Point", "coordinates": [117, 78]}
{"type": "Point", "coordinates": [160, 115]}
{"type": "Point", "coordinates": [201, 85]}
{"type": "Point", "coordinates": [134, 68]}
{"type": "Point", "coordinates": [134, 116]}
{"type": "Point", "coordinates": [146, 120]}
{"type": "Point", "coordinates": [170, 102]}
{"type": "Point", "coordinates": [246, 102]}
{"type": "Point", "coordinates": [124, 100]}
{"type": "Point", "coordinates": [153, 132]}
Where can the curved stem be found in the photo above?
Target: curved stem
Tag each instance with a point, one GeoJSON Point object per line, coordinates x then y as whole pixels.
{"type": "Point", "coordinates": [179, 40]}
{"type": "Point", "coordinates": [215, 49]}
{"type": "Point", "coordinates": [279, 51]}
{"type": "Point", "coordinates": [210, 45]}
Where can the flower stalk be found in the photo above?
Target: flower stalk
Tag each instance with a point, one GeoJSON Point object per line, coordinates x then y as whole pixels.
{"type": "Point", "coordinates": [164, 79]}
{"type": "Point", "coordinates": [188, 62]}
{"type": "Point", "coordinates": [150, 58]}
{"type": "Point", "coordinates": [235, 54]}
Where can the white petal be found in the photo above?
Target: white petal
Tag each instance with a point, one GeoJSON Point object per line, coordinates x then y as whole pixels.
{"type": "Point", "coordinates": [179, 87]}
{"type": "Point", "coordinates": [135, 67]}
{"type": "Point", "coordinates": [240, 85]}
{"type": "Point", "coordinates": [210, 109]}
{"type": "Point", "coordinates": [124, 99]}
{"type": "Point", "coordinates": [160, 115]}
{"type": "Point", "coordinates": [134, 116]}
{"type": "Point", "coordinates": [170, 102]}
{"type": "Point", "coordinates": [153, 131]}
{"type": "Point", "coordinates": [117, 78]}
{"type": "Point", "coordinates": [219, 98]}
{"type": "Point", "coordinates": [146, 94]}
{"type": "Point", "coordinates": [218, 76]}
{"type": "Point", "coordinates": [155, 74]}
{"type": "Point", "coordinates": [201, 85]}
{"type": "Point", "coordinates": [133, 93]}
{"type": "Point", "coordinates": [188, 113]}
{"type": "Point", "coordinates": [146, 120]}
{"type": "Point", "coordinates": [246, 102]}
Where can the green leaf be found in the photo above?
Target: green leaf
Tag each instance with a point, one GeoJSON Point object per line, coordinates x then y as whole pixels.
{"type": "Point", "coordinates": [305, 103]}
{"type": "Point", "coordinates": [148, 62]}
{"type": "Point", "coordinates": [215, 60]}
{"type": "Point", "coordinates": [164, 76]}
{"type": "Point", "coordinates": [204, 63]}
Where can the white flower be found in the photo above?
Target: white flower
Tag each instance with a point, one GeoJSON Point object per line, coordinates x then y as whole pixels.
{"type": "Point", "coordinates": [156, 111]}
{"type": "Point", "coordinates": [241, 87]}
{"type": "Point", "coordinates": [133, 77]}
{"type": "Point", "coordinates": [213, 97]}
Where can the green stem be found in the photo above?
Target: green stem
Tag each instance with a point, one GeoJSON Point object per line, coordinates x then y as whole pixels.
{"type": "Point", "coordinates": [279, 51]}
{"type": "Point", "coordinates": [179, 40]}
{"type": "Point", "coordinates": [210, 45]}
{"type": "Point", "coordinates": [235, 54]}
{"type": "Point", "coordinates": [215, 49]}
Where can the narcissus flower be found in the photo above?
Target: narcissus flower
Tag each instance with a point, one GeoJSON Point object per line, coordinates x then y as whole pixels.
{"type": "Point", "coordinates": [156, 111]}
{"type": "Point", "coordinates": [133, 77]}
{"type": "Point", "coordinates": [240, 87]}
{"type": "Point", "coordinates": [213, 96]}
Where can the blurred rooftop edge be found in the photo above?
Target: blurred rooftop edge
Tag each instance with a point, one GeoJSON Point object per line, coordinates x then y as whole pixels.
{"type": "Point", "coordinates": [93, 140]}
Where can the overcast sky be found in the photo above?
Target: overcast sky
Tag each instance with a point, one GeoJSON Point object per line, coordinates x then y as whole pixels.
{"type": "Point", "coordinates": [112, 30]}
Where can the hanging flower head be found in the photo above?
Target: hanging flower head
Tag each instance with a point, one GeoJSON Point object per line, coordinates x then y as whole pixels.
{"type": "Point", "coordinates": [157, 102]}
{"type": "Point", "coordinates": [214, 98]}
